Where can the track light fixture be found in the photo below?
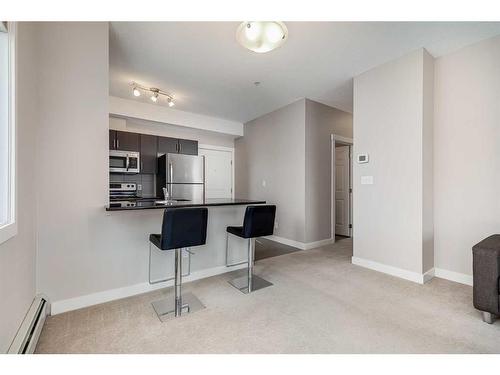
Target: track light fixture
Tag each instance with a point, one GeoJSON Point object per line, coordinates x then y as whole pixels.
{"type": "Point", "coordinates": [154, 97]}
{"type": "Point", "coordinates": [137, 90]}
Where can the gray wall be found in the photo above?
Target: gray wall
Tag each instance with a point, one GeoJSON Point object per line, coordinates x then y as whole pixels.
{"type": "Point", "coordinates": [467, 152]}
{"type": "Point", "coordinates": [17, 255]}
{"type": "Point", "coordinates": [321, 122]}
{"type": "Point", "coordinates": [273, 150]}
{"type": "Point", "coordinates": [290, 149]}
{"type": "Point", "coordinates": [389, 125]}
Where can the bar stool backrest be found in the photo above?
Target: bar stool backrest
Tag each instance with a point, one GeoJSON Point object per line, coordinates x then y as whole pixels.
{"type": "Point", "coordinates": [184, 227]}
{"type": "Point", "coordinates": [259, 221]}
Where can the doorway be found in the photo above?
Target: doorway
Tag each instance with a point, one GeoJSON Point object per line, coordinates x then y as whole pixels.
{"type": "Point", "coordinates": [219, 171]}
{"type": "Point", "coordinates": [341, 210]}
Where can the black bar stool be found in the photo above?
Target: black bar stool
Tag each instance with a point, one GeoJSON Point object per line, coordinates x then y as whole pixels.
{"type": "Point", "coordinates": [181, 228]}
{"type": "Point", "coordinates": [258, 222]}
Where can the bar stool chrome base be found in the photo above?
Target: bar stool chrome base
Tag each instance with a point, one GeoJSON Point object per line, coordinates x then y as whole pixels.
{"type": "Point", "coordinates": [241, 283]}
{"type": "Point", "coordinates": [165, 308]}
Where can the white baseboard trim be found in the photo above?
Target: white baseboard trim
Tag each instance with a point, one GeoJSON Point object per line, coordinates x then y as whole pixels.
{"type": "Point", "coordinates": [58, 307]}
{"type": "Point", "coordinates": [394, 271]}
{"type": "Point", "coordinates": [429, 275]}
{"type": "Point", "coordinates": [457, 277]}
{"type": "Point", "coordinates": [301, 245]}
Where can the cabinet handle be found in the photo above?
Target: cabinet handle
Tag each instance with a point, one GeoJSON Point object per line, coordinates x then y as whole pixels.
{"type": "Point", "coordinates": [117, 143]}
{"type": "Point", "coordinates": [177, 147]}
{"type": "Point", "coordinates": [180, 147]}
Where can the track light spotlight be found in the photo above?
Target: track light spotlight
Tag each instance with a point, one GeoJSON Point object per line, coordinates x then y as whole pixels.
{"type": "Point", "coordinates": [170, 102]}
{"type": "Point", "coordinates": [136, 91]}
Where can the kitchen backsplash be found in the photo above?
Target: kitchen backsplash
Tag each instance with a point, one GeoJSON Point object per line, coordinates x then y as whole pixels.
{"type": "Point", "coordinates": [145, 182]}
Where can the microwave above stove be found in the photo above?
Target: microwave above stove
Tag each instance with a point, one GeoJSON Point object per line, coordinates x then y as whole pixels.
{"type": "Point", "coordinates": [124, 161]}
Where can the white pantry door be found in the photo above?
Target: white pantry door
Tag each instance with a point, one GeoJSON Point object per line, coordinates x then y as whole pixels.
{"type": "Point", "coordinates": [342, 190]}
{"type": "Point", "coordinates": [218, 173]}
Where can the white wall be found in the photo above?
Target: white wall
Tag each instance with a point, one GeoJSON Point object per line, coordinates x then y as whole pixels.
{"type": "Point", "coordinates": [72, 159]}
{"type": "Point", "coordinates": [273, 150]}
{"type": "Point", "coordinates": [168, 130]}
{"type": "Point", "coordinates": [321, 121]}
{"type": "Point", "coordinates": [152, 112]}
{"type": "Point", "coordinates": [466, 152]}
{"type": "Point", "coordinates": [17, 255]}
{"type": "Point", "coordinates": [389, 125]}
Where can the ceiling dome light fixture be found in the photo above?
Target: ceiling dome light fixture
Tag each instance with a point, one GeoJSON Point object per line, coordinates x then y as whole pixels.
{"type": "Point", "coordinates": [156, 93]}
{"type": "Point", "coordinates": [261, 36]}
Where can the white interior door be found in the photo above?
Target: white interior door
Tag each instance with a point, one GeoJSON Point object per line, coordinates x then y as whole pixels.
{"type": "Point", "coordinates": [342, 190]}
{"type": "Point", "coordinates": [218, 173]}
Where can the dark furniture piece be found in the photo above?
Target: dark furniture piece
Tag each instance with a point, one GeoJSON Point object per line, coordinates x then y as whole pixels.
{"type": "Point", "coordinates": [258, 222]}
{"type": "Point", "coordinates": [149, 152]}
{"type": "Point", "coordinates": [181, 228]}
{"type": "Point", "coordinates": [177, 146]}
{"type": "Point", "coordinates": [124, 141]}
{"type": "Point", "coordinates": [486, 276]}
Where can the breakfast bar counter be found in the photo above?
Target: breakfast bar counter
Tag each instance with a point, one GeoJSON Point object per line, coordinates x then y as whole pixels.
{"type": "Point", "coordinates": [129, 232]}
{"type": "Point", "coordinates": [143, 204]}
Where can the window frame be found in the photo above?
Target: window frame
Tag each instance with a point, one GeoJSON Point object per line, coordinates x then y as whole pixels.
{"type": "Point", "coordinates": [9, 230]}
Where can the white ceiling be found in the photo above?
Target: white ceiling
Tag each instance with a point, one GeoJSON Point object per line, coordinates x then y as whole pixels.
{"type": "Point", "coordinates": [208, 72]}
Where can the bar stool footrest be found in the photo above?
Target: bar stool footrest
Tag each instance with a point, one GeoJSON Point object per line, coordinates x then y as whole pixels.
{"type": "Point", "coordinates": [241, 283]}
{"type": "Point", "coordinates": [165, 308]}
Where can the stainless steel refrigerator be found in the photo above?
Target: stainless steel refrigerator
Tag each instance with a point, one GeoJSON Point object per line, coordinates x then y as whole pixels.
{"type": "Point", "coordinates": [182, 175]}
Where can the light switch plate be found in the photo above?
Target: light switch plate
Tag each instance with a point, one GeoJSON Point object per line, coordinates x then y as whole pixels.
{"type": "Point", "coordinates": [366, 180]}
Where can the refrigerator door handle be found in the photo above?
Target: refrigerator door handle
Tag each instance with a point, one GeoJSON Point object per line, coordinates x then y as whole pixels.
{"type": "Point", "coordinates": [169, 182]}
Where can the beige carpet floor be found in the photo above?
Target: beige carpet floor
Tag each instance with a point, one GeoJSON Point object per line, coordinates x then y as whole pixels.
{"type": "Point", "coordinates": [320, 303]}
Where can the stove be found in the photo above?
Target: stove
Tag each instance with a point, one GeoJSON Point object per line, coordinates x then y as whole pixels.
{"type": "Point", "coordinates": [122, 191]}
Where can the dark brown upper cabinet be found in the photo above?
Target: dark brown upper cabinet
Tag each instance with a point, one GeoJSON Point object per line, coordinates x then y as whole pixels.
{"type": "Point", "coordinates": [126, 141]}
{"type": "Point", "coordinates": [188, 147]}
{"type": "Point", "coordinates": [177, 146]}
{"type": "Point", "coordinates": [168, 145]}
{"type": "Point", "coordinates": [112, 139]}
{"type": "Point", "coordinates": [149, 152]}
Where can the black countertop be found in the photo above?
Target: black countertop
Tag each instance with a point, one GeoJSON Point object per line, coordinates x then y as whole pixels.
{"type": "Point", "coordinates": [150, 204]}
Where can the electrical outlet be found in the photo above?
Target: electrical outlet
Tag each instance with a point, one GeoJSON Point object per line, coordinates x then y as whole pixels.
{"type": "Point", "coordinates": [139, 187]}
{"type": "Point", "coordinates": [276, 226]}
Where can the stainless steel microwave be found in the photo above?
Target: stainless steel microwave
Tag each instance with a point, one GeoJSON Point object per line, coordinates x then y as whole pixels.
{"type": "Point", "coordinates": [124, 161]}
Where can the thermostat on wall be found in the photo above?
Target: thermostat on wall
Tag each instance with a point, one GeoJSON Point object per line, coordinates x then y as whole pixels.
{"type": "Point", "coordinates": [362, 158]}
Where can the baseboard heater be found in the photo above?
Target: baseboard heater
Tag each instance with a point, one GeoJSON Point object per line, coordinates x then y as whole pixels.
{"type": "Point", "coordinates": [31, 327]}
